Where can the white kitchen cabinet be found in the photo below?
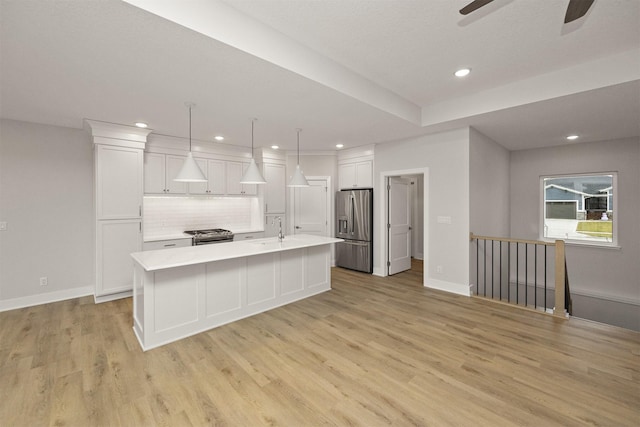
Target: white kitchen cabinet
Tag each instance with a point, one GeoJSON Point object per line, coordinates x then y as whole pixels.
{"type": "Point", "coordinates": [215, 171]}
{"type": "Point", "coordinates": [235, 171]}
{"type": "Point", "coordinates": [356, 175]}
{"type": "Point", "coordinates": [119, 187]}
{"type": "Point", "coordinates": [159, 173]}
{"type": "Point", "coordinates": [275, 188]}
{"type": "Point", "coordinates": [119, 182]}
{"type": "Point", "coordinates": [116, 240]}
{"type": "Point", "coordinates": [167, 244]}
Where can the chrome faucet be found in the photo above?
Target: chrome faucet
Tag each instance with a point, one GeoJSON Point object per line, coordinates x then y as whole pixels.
{"type": "Point", "coordinates": [280, 233]}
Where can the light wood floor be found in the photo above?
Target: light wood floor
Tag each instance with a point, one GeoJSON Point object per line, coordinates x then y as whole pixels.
{"type": "Point", "coordinates": [373, 351]}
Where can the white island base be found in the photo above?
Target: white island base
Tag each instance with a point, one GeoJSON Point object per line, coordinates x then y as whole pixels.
{"type": "Point", "coordinates": [181, 292]}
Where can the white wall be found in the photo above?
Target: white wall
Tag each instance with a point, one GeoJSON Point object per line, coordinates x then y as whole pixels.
{"type": "Point", "coordinates": [488, 195]}
{"type": "Point", "coordinates": [611, 274]}
{"type": "Point", "coordinates": [446, 155]}
{"type": "Point", "coordinates": [488, 186]}
{"type": "Point", "coordinates": [46, 197]}
{"type": "Point", "coordinates": [315, 165]}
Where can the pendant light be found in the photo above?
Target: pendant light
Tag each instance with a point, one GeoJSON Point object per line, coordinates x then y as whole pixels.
{"type": "Point", "coordinates": [190, 171]}
{"type": "Point", "coordinates": [298, 179]}
{"type": "Point", "coordinates": [252, 175]}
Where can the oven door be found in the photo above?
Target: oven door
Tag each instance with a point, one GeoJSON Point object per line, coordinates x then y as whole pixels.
{"type": "Point", "coordinates": [200, 242]}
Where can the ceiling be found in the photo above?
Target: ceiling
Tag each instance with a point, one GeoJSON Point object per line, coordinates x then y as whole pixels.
{"type": "Point", "coordinates": [355, 72]}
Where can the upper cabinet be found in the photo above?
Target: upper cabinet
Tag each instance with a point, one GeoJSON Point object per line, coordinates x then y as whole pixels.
{"type": "Point", "coordinates": [119, 182]}
{"type": "Point", "coordinates": [356, 175]}
{"type": "Point", "coordinates": [159, 172]}
{"type": "Point", "coordinates": [355, 167]}
{"type": "Point", "coordinates": [235, 171]}
{"type": "Point", "coordinates": [275, 189]}
{"type": "Point", "coordinates": [215, 171]}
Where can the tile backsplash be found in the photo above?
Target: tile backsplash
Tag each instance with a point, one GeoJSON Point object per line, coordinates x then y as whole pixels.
{"type": "Point", "coordinates": [173, 215]}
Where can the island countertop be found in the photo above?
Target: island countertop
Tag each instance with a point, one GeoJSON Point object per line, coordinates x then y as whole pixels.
{"type": "Point", "coordinates": [179, 257]}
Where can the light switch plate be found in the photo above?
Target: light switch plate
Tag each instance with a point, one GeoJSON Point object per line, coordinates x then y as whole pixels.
{"type": "Point", "coordinates": [3, 225]}
{"type": "Point", "coordinates": [444, 220]}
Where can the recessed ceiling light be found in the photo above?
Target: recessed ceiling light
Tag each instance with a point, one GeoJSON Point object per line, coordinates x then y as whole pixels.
{"type": "Point", "coordinates": [141, 125]}
{"type": "Point", "coordinates": [462, 72]}
{"type": "Point", "coordinates": [572, 137]}
{"type": "Point", "coordinates": [275, 147]}
{"type": "Point", "coordinates": [218, 138]}
{"type": "Point", "coordinates": [339, 145]}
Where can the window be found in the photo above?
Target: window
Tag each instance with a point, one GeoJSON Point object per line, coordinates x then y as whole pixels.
{"type": "Point", "coordinates": [579, 208]}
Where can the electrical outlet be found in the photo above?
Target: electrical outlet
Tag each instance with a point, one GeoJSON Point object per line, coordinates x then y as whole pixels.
{"type": "Point", "coordinates": [3, 225]}
{"type": "Point", "coordinates": [44, 281]}
{"type": "Point", "coordinates": [439, 269]}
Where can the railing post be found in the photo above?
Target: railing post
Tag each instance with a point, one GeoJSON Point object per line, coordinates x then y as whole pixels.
{"type": "Point", "coordinates": [559, 310]}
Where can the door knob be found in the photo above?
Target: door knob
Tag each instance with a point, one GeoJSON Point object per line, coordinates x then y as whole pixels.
{"type": "Point", "coordinates": [298, 227]}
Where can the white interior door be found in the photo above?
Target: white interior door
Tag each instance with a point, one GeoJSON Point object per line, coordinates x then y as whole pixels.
{"type": "Point", "coordinates": [399, 227]}
{"type": "Point", "coordinates": [310, 210]}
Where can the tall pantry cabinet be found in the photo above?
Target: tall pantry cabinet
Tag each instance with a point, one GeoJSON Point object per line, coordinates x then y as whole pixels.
{"type": "Point", "coordinates": [119, 188]}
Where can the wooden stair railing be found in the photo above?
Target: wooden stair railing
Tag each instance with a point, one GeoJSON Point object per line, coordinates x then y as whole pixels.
{"type": "Point", "coordinates": [562, 296]}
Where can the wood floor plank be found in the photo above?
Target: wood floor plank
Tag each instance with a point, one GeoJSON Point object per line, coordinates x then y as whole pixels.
{"type": "Point", "coordinates": [372, 351]}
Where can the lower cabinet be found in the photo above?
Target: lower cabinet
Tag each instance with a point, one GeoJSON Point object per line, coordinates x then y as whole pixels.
{"type": "Point", "coordinates": [116, 240]}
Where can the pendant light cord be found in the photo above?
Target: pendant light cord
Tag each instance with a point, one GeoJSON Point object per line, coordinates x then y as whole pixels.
{"type": "Point", "coordinates": [189, 128]}
{"type": "Point", "coordinates": [299, 130]}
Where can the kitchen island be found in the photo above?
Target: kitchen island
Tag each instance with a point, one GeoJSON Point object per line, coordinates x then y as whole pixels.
{"type": "Point", "coordinates": [181, 292]}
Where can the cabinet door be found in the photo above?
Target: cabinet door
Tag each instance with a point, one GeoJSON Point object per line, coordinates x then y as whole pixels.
{"type": "Point", "coordinates": [116, 240]}
{"type": "Point", "coordinates": [248, 189]}
{"type": "Point", "coordinates": [247, 236]}
{"type": "Point", "coordinates": [234, 175]}
{"type": "Point", "coordinates": [166, 244]}
{"type": "Point", "coordinates": [120, 183]}
{"type": "Point", "coordinates": [347, 175]}
{"type": "Point", "coordinates": [216, 171]}
{"type": "Point", "coordinates": [274, 196]}
{"type": "Point", "coordinates": [200, 187]}
{"type": "Point", "coordinates": [154, 173]}
{"type": "Point", "coordinates": [173, 166]}
{"type": "Point", "coordinates": [364, 174]}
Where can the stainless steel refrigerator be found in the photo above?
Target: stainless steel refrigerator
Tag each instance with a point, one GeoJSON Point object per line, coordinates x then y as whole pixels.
{"type": "Point", "coordinates": [354, 224]}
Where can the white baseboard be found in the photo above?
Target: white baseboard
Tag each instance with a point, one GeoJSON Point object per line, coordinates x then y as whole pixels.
{"type": "Point", "coordinates": [112, 297]}
{"type": "Point", "coordinates": [441, 285]}
{"type": "Point", "coordinates": [29, 301]}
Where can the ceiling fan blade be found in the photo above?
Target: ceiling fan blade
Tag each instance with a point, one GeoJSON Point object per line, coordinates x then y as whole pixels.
{"type": "Point", "coordinates": [577, 9]}
{"type": "Point", "coordinates": [475, 4]}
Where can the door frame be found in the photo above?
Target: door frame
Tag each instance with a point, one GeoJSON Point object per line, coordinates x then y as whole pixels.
{"type": "Point", "coordinates": [291, 205]}
{"type": "Point", "coordinates": [382, 211]}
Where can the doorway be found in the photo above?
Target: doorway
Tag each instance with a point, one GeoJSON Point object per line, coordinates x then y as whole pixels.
{"type": "Point", "coordinates": [403, 227]}
{"type": "Point", "coordinates": [311, 207]}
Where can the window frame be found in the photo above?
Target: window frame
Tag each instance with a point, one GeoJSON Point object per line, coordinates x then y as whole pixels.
{"type": "Point", "coordinates": [613, 192]}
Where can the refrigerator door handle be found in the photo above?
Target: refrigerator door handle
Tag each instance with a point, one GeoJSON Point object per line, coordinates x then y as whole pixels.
{"type": "Point", "coordinates": [352, 202]}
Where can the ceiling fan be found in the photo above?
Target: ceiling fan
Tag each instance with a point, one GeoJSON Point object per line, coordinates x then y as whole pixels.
{"type": "Point", "coordinates": [576, 9]}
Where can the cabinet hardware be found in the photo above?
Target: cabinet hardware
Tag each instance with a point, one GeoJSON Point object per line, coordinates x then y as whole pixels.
{"type": "Point", "coordinates": [170, 244]}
